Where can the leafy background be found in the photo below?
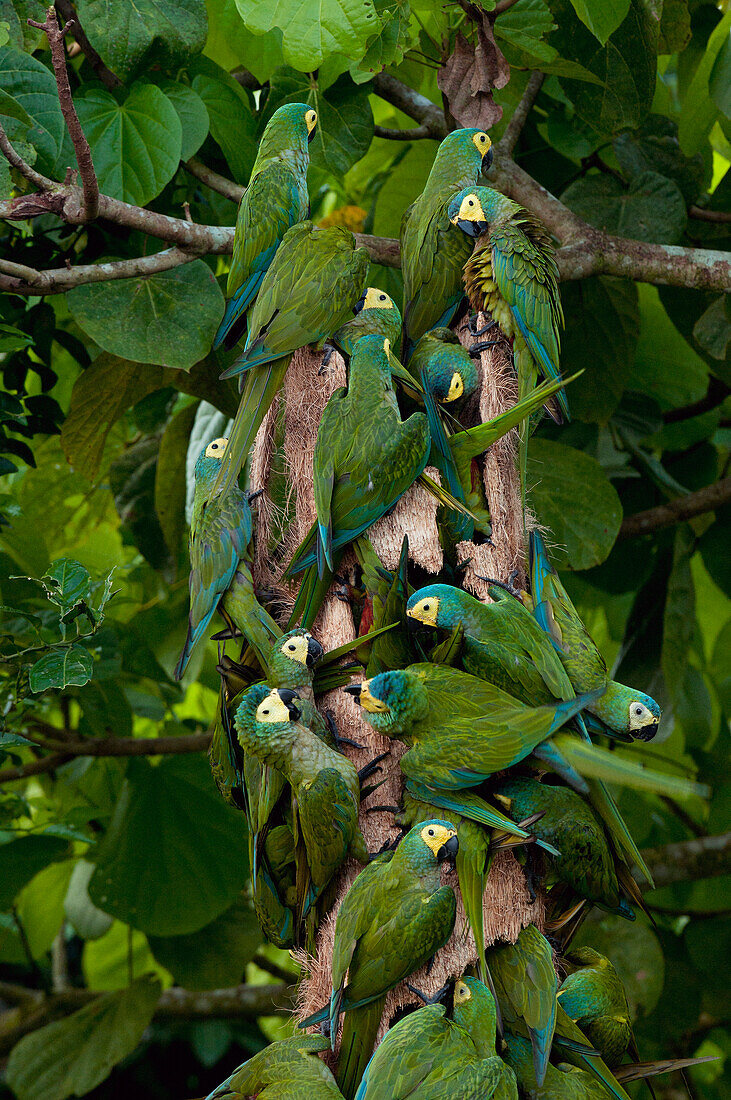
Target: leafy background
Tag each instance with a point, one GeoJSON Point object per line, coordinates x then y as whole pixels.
{"type": "Point", "coordinates": [123, 876]}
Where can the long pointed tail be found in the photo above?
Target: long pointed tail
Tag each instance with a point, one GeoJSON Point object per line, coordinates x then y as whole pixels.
{"type": "Point", "coordinates": [359, 1037]}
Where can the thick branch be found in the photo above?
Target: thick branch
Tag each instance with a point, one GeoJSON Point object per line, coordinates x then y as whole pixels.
{"type": "Point", "coordinates": [34, 767]}
{"type": "Point", "coordinates": [414, 134]}
{"type": "Point", "coordinates": [689, 860]}
{"type": "Point", "coordinates": [412, 103]}
{"type": "Point", "coordinates": [216, 182]}
{"type": "Point", "coordinates": [58, 280]}
{"type": "Point", "coordinates": [126, 746]}
{"type": "Point", "coordinates": [55, 36]}
{"type": "Point", "coordinates": [107, 77]}
{"type": "Point", "coordinates": [677, 511]}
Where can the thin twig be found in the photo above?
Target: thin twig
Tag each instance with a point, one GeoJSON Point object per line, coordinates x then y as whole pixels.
{"type": "Point", "coordinates": [126, 746]}
{"type": "Point", "coordinates": [702, 215]}
{"type": "Point", "coordinates": [108, 78]}
{"type": "Point", "coordinates": [216, 182]}
{"type": "Point", "coordinates": [677, 511]}
{"type": "Point", "coordinates": [55, 36]}
{"type": "Point", "coordinates": [34, 767]}
{"type": "Point", "coordinates": [15, 160]}
{"type": "Point", "coordinates": [415, 134]}
{"type": "Point", "coordinates": [58, 280]}
{"type": "Point", "coordinates": [716, 394]}
{"type": "Point", "coordinates": [513, 130]}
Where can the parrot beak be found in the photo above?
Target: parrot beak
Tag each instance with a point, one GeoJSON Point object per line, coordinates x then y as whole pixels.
{"type": "Point", "coordinates": [313, 131]}
{"type": "Point", "coordinates": [288, 698]}
{"type": "Point", "coordinates": [412, 624]}
{"type": "Point", "coordinates": [487, 160]}
{"type": "Point", "coordinates": [472, 228]}
{"type": "Point", "coordinates": [354, 690]}
{"type": "Point", "coordinates": [646, 733]}
{"type": "Point", "coordinates": [314, 652]}
{"type": "Point", "coordinates": [360, 303]}
{"type": "Point", "coordinates": [448, 850]}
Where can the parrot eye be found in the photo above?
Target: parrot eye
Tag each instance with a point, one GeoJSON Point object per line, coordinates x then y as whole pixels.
{"type": "Point", "coordinates": [431, 832]}
{"type": "Point", "coordinates": [638, 711]}
{"type": "Point", "coordinates": [291, 648]}
{"type": "Point", "coordinates": [482, 139]}
{"type": "Point", "coordinates": [382, 298]}
{"type": "Point", "coordinates": [470, 202]}
{"type": "Point", "coordinates": [265, 712]}
{"type": "Point", "coordinates": [426, 606]}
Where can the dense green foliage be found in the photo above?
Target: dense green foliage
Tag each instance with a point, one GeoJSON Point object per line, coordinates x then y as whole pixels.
{"type": "Point", "coordinates": [131, 868]}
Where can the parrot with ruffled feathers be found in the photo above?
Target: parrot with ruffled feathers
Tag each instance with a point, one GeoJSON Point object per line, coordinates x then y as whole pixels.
{"type": "Point", "coordinates": [433, 251]}
{"type": "Point", "coordinates": [376, 315]}
{"type": "Point", "coordinates": [287, 1069]}
{"type": "Point", "coordinates": [441, 1051]}
{"type": "Point", "coordinates": [460, 729]}
{"type": "Point", "coordinates": [325, 786]}
{"type": "Point", "coordinates": [310, 290]}
{"type": "Point", "coordinates": [275, 200]}
{"type": "Point", "coordinates": [219, 545]}
{"type": "Point", "coordinates": [366, 457]}
{"type": "Point", "coordinates": [562, 1082]}
{"type": "Point", "coordinates": [587, 862]}
{"type": "Point", "coordinates": [593, 996]}
{"type": "Point", "coordinates": [629, 713]}
{"type": "Point", "coordinates": [393, 919]}
{"type": "Point", "coordinates": [512, 275]}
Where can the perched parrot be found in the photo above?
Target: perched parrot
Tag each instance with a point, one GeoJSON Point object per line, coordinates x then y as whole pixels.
{"type": "Point", "coordinates": [366, 457]}
{"type": "Point", "coordinates": [287, 1069]}
{"type": "Point", "coordinates": [219, 548]}
{"type": "Point", "coordinates": [438, 1052]}
{"type": "Point", "coordinates": [460, 729]}
{"type": "Point", "coordinates": [311, 288]}
{"type": "Point", "coordinates": [526, 985]}
{"type": "Point", "coordinates": [562, 1082]}
{"type": "Point", "coordinates": [393, 919]}
{"type": "Point", "coordinates": [275, 200]}
{"type": "Point", "coordinates": [433, 252]}
{"type": "Point", "coordinates": [594, 998]}
{"type": "Point", "coordinates": [376, 314]}
{"type": "Point", "coordinates": [629, 713]}
{"type": "Point", "coordinates": [587, 862]}
{"type": "Point", "coordinates": [512, 275]}
{"type": "Point", "coordinates": [325, 785]}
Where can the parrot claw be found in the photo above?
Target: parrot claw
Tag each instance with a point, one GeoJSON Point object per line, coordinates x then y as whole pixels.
{"type": "Point", "coordinates": [226, 634]}
{"type": "Point", "coordinates": [474, 330]}
{"type": "Point", "coordinates": [383, 809]}
{"type": "Point", "coordinates": [430, 998]}
{"type": "Point", "coordinates": [330, 719]}
{"type": "Point", "coordinates": [477, 349]}
{"type": "Point", "coordinates": [328, 350]}
{"type": "Point", "coordinates": [252, 494]}
{"type": "Point", "coordinates": [372, 767]}
{"type": "Point", "coordinates": [509, 587]}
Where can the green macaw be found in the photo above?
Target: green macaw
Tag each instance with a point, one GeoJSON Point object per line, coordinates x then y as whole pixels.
{"type": "Point", "coordinates": [309, 291]}
{"type": "Point", "coordinates": [594, 997]}
{"type": "Point", "coordinates": [275, 200]}
{"type": "Point", "coordinates": [587, 862]}
{"type": "Point", "coordinates": [366, 457]}
{"type": "Point", "coordinates": [219, 547]}
{"type": "Point", "coordinates": [325, 786]}
{"type": "Point", "coordinates": [512, 275]}
{"type": "Point", "coordinates": [460, 729]}
{"type": "Point", "coordinates": [526, 986]}
{"type": "Point", "coordinates": [376, 314]}
{"type": "Point", "coordinates": [433, 252]}
{"type": "Point", "coordinates": [627, 712]}
{"type": "Point", "coordinates": [393, 919]}
{"type": "Point", "coordinates": [438, 1052]}
{"type": "Point", "coordinates": [562, 1082]}
{"type": "Point", "coordinates": [287, 1069]}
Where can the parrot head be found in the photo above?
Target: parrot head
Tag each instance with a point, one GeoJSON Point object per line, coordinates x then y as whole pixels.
{"type": "Point", "coordinates": [447, 371]}
{"type": "Point", "coordinates": [210, 458]}
{"type": "Point", "coordinates": [465, 152]}
{"type": "Point", "coordinates": [643, 717]}
{"type": "Point", "coordinates": [437, 605]}
{"type": "Point", "coordinates": [433, 840]}
{"type": "Point", "coordinates": [374, 298]}
{"type": "Point", "coordinates": [290, 129]}
{"type": "Point", "coordinates": [264, 715]}
{"type": "Point", "coordinates": [466, 211]}
{"type": "Point", "coordinates": [473, 1007]}
{"type": "Point", "coordinates": [391, 701]}
{"type": "Point", "coordinates": [291, 654]}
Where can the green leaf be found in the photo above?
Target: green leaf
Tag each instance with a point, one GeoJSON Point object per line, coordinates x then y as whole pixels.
{"type": "Point", "coordinates": [571, 495]}
{"type": "Point", "coordinates": [311, 33]}
{"type": "Point", "coordinates": [11, 109]}
{"type": "Point", "coordinates": [22, 859]}
{"type": "Point", "coordinates": [675, 29]}
{"type": "Point", "coordinates": [699, 111]}
{"type": "Point", "coordinates": [344, 118]}
{"type": "Point", "coordinates": [604, 316]}
{"type": "Point", "coordinates": [719, 82]}
{"type": "Point", "coordinates": [132, 37]}
{"type": "Point", "coordinates": [135, 139]}
{"type": "Point", "coordinates": [654, 147]}
{"type": "Point", "coordinates": [679, 617]}
{"type": "Point", "coordinates": [16, 14]}
{"type": "Point", "coordinates": [33, 87]}
{"type": "Point", "coordinates": [170, 484]}
{"type": "Point", "coordinates": [62, 667]}
{"type": "Point", "coordinates": [713, 329]}
{"type": "Point", "coordinates": [40, 906]}
{"type": "Point", "coordinates": [12, 339]}
{"type": "Point", "coordinates": [602, 17]}
{"type": "Point", "coordinates": [522, 30]}
{"type": "Point", "coordinates": [389, 45]}
{"type": "Point", "coordinates": [68, 582]}
{"type": "Point", "coordinates": [132, 481]}
{"type": "Point", "coordinates": [651, 209]}
{"type": "Point", "coordinates": [233, 125]}
{"type": "Point", "coordinates": [88, 921]}
{"type": "Point", "coordinates": [70, 1057]}
{"type": "Point", "coordinates": [405, 182]}
{"type": "Point", "coordinates": [659, 345]}
{"type": "Point", "coordinates": [215, 956]}
{"type": "Point", "coordinates": [191, 111]}
{"type": "Point", "coordinates": [230, 43]}
{"type": "Point", "coordinates": [166, 318]}
{"type": "Point", "coordinates": [157, 869]}
{"type": "Point", "coordinates": [108, 961]}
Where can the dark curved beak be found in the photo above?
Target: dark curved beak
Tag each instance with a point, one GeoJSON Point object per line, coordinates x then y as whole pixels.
{"type": "Point", "coordinates": [487, 160]}
{"type": "Point", "coordinates": [412, 624]}
{"type": "Point", "coordinates": [314, 652]}
{"type": "Point", "coordinates": [472, 228]}
{"type": "Point", "coordinates": [360, 303]}
{"type": "Point", "coordinates": [313, 131]}
{"type": "Point", "coordinates": [288, 698]}
{"type": "Point", "coordinates": [448, 850]}
{"type": "Point", "coordinates": [354, 690]}
{"type": "Point", "coordinates": [647, 733]}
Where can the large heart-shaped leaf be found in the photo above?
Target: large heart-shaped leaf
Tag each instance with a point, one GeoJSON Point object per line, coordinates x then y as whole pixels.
{"type": "Point", "coordinates": [32, 85]}
{"type": "Point", "coordinates": [215, 956]}
{"type": "Point", "coordinates": [70, 1057]}
{"type": "Point", "coordinates": [135, 140]}
{"type": "Point", "coordinates": [312, 32]}
{"type": "Point", "coordinates": [571, 495]}
{"type": "Point", "coordinates": [131, 36]}
{"type": "Point", "coordinates": [601, 16]}
{"type": "Point", "coordinates": [61, 668]}
{"type": "Point", "coordinates": [22, 859]}
{"type": "Point", "coordinates": [231, 116]}
{"type": "Point", "coordinates": [158, 868]}
{"type": "Point", "coordinates": [651, 209]}
{"type": "Point", "coordinates": [192, 114]}
{"type": "Point", "coordinates": [169, 318]}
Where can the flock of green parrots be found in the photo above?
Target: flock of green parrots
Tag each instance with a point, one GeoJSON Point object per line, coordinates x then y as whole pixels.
{"type": "Point", "coordinates": [497, 702]}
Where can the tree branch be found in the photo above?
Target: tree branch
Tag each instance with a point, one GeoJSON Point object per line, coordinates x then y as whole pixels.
{"type": "Point", "coordinates": [64, 751]}
{"type": "Point", "coordinates": [513, 130]}
{"type": "Point", "coordinates": [15, 160]}
{"type": "Point", "coordinates": [107, 77]}
{"type": "Point", "coordinates": [57, 280]}
{"type": "Point", "coordinates": [216, 182]}
{"type": "Point", "coordinates": [412, 103]}
{"type": "Point", "coordinates": [689, 860]}
{"type": "Point", "coordinates": [415, 134]}
{"type": "Point", "coordinates": [716, 394]}
{"type": "Point", "coordinates": [703, 215]}
{"type": "Point", "coordinates": [677, 511]}
{"type": "Point", "coordinates": [55, 36]}
{"type": "Point", "coordinates": [34, 767]}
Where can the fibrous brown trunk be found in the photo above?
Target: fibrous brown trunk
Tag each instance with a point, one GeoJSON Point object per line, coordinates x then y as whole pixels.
{"type": "Point", "coordinates": [296, 417]}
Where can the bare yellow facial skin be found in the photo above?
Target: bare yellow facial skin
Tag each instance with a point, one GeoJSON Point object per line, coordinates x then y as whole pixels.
{"type": "Point", "coordinates": [461, 993]}
{"type": "Point", "coordinates": [425, 611]}
{"type": "Point", "coordinates": [456, 388]}
{"type": "Point", "coordinates": [296, 648]}
{"type": "Point", "coordinates": [377, 299]}
{"type": "Point", "coordinates": [369, 702]}
{"type": "Point", "coordinates": [216, 447]}
{"type": "Point", "coordinates": [271, 710]}
{"type": "Point", "coordinates": [311, 121]}
{"type": "Point", "coordinates": [482, 142]}
{"type": "Point", "coordinates": [436, 836]}
{"type": "Point", "coordinates": [470, 210]}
